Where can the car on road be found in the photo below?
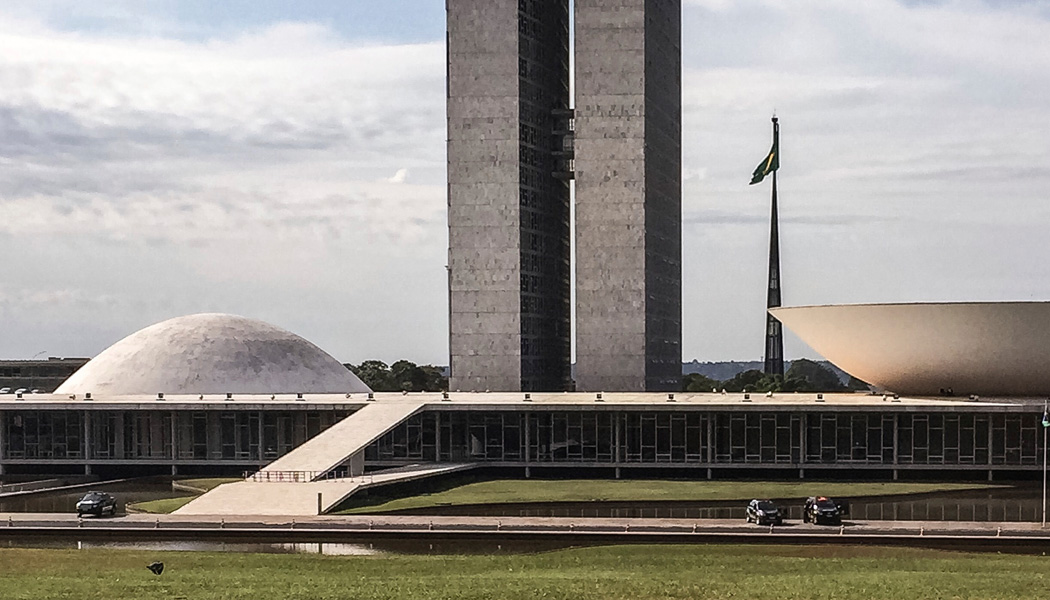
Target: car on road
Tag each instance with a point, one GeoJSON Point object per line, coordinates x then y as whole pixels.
{"type": "Point", "coordinates": [824, 511]}
{"type": "Point", "coordinates": [763, 512]}
{"type": "Point", "coordinates": [97, 503]}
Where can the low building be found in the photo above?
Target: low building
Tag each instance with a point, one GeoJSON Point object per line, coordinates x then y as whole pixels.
{"type": "Point", "coordinates": [41, 375]}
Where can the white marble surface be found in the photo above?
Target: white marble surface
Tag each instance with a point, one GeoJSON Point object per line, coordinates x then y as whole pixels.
{"type": "Point", "coordinates": [212, 354]}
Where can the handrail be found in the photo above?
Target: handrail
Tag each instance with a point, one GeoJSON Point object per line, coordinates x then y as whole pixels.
{"type": "Point", "coordinates": [300, 476]}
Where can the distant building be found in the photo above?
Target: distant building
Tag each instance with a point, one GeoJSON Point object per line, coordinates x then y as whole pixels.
{"type": "Point", "coordinates": [42, 375]}
{"type": "Point", "coordinates": [510, 159]}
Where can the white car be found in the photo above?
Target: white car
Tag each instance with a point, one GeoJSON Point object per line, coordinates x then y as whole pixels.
{"type": "Point", "coordinates": [5, 390]}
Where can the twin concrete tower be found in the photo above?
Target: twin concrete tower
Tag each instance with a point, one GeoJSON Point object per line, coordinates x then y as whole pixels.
{"type": "Point", "coordinates": [517, 146]}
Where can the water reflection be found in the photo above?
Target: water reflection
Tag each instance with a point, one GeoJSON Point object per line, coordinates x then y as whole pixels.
{"type": "Point", "coordinates": [65, 501]}
{"type": "Point", "coordinates": [998, 504]}
{"type": "Point", "coordinates": [440, 546]}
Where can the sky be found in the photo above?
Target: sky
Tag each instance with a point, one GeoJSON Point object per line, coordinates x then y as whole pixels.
{"type": "Point", "coordinates": [285, 161]}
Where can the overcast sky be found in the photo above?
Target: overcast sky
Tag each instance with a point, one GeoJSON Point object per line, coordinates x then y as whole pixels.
{"type": "Point", "coordinates": [286, 161]}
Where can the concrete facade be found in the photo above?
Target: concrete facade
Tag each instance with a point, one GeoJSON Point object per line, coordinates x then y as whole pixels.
{"type": "Point", "coordinates": [508, 204]}
{"type": "Point", "coordinates": [628, 194]}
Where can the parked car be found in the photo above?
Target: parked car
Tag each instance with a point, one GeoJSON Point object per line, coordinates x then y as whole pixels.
{"type": "Point", "coordinates": [5, 390]}
{"type": "Point", "coordinates": [764, 512]}
{"type": "Point", "coordinates": [96, 503]}
{"type": "Point", "coordinates": [824, 511]}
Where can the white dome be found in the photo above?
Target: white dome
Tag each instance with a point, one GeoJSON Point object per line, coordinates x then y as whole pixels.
{"type": "Point", "coordinates": [212, 354]}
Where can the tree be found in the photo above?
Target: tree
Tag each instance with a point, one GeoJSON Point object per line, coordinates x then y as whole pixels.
{"type": "Point", "coordinates": [375, 374]}
{"type": "Point", "coordinates": [752, 380]}
{"type": "Point", "coordinates": [858, 385]}
{"type": "Point", "coordinates": [809, 376]}
{"type": "Point", "coordinates": [402, 376]}
{"type": "Point", "coordinates": [695, 382]}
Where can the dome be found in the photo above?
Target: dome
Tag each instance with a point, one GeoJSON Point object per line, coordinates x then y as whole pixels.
{"type": "Point", "coordinates": [982, 348]}
{"type": "Point", "coordinates": [212, 354]}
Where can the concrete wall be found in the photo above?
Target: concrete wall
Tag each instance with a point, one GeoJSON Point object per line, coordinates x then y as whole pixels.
{"type": "Point", "coordinates": [483, 206]}
{"type": "Point", "coordinates": [508, 214]}
{"type": "Point", "coordinates": [628, 194]}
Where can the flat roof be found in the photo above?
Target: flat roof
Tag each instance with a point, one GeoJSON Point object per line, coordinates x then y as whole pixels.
{"type": "Point", "coordinates": [517, 400]}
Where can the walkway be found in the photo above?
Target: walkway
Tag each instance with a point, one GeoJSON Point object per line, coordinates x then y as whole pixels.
{"type": "Point", "coordinates": [342, 441]}
{"type": "Point", "coordinates": [259, 497]}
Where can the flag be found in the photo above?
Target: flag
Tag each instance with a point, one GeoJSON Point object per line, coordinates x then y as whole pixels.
{"type": "Point", "coordinates": [769, 163]}
{"type": "Point", "coordinates": [1046, 418]}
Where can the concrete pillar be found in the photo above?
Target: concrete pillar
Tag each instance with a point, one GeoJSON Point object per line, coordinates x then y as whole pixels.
{"type": "Point", "coordinates": [3, 440]}
{"type": "Point", "coordinates": [528, 443]}
{"type": "Point", "coordinates": [118, 435]}
{"type": "Point", "coordinates": [174, 437]}
{"type": "Point", "coordinates": [802, 441]}
{"type": "Point", "coordinates": [356, 464]}
{"type": "Point", "coordinates": [710, 441]}
{"type": "Point", "coordinates": [261, 458]}
{"type": "Point", "coordinates": [989, 443]}
{"type": "Point", "coordinates": [214, 435]}
{"type": "Point", "coordinates": [528, 472]}
{"type": "Point", "coordinates": [896, 440]}
{"type": "Point", "coordinates": [617, 472]}
{"type": "Point", "coordinates": [619, 422]}
{"type": "Point", "coordinates": [801, 473]}
{"type": "Point", "coordinates": [710, 473]}
{"type": "Point", "coordinates": [86, 442]}
{"type": "Point", "coordinates": [437, 436]}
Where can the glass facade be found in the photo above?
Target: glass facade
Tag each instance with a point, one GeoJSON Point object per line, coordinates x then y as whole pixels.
{"type": "Point", "coordinates": [994, 440]}
{"type": "Point", "coordinates": [693, 438]}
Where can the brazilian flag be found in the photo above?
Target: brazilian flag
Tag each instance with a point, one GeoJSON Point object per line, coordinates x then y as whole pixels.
{"type": "Point", "coordinates": [769, 164]}
{"type": "Point", "coordinates": [1046, 418]}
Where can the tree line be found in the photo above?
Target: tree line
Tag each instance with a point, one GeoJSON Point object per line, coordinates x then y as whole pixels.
{"type": "Point", "coordinates": [803, 376]}
{"type": "Point", "coordinates": [402, 376]}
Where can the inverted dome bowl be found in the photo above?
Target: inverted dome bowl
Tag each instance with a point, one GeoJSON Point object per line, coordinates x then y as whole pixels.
{"type": "Point", "coordinates": [212, 354]}
{"type": "Point", "coordinates": [983, 348]}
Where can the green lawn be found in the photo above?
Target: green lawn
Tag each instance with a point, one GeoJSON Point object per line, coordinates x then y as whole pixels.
{"type": "Point", "coordinates": [616, 572]}
{"type": "Point", "coordinates": [163, 506]}
{"type": "Point", "coordinates": [584, 490]}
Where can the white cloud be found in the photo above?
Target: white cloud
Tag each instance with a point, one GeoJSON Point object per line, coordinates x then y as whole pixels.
{"type": "Point", "coordinates": [267, 173]}
{"type": "Point", "coordinates": [250, 163]}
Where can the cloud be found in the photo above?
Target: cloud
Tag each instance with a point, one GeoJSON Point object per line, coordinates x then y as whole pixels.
{"type": "Point", "coordinates": [287, 173]}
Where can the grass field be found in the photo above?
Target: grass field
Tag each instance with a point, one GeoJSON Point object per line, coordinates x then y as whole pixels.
{"type": "Point", "coordinates": [617, 572]}
{"type": "Point", "coordinates": [163, 506]}
{"type": "Point", "coordinates": [584, 490]}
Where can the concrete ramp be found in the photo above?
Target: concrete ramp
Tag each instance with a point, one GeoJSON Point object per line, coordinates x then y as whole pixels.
{"type": "Point", "coordinates": [271, 499]}
{"type": "Point", "coordinates": [249, 498]}
{"type": "Point", "coordinates": [340, 442]}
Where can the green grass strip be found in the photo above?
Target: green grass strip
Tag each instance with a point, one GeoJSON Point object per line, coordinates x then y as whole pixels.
{"type": "Point", "coordinates": [608, 573]}
{"type": "Point", "coordinates": [587, 490]}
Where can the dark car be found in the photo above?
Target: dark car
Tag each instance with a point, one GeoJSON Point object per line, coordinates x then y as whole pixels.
{"type": "Point", "coordinates": [824, 511]}
{"type": "Point", "coordinates": [97, 503]}
{"type": "Point", "coordinates": [764, 512]}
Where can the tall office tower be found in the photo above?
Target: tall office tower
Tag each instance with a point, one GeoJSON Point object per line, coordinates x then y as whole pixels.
{"type": "Point", "coordinates": [628, 195]}
{"type": "Point", "coordinates": [508, 194]}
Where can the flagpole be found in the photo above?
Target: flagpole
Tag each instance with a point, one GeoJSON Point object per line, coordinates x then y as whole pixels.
{"type": "Point", "coordinates": [774, 360]}
{"type": "Point", "coordinates": [1044, 461]}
